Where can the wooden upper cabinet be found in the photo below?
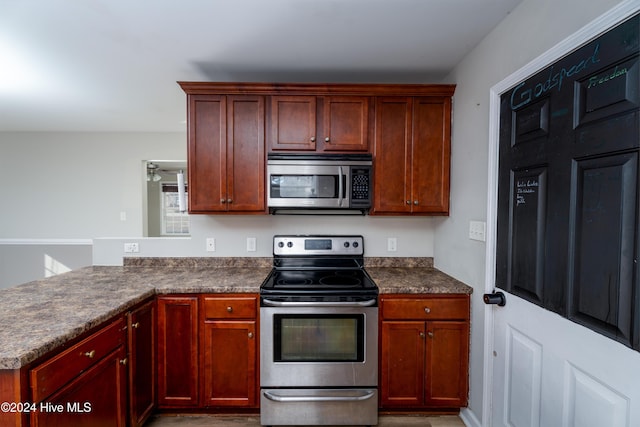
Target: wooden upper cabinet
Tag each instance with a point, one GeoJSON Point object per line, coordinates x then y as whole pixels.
{"type": "Point", "coordinates": [406, 127]}
{"type": "Point", "coordinates": [319, 123]}
{"type": "Point", "coordinates": [293, 123]}
{"type": "Point", "coordinates": [226, 154]}
{"type": "Point", "coordinates": [412, 155]}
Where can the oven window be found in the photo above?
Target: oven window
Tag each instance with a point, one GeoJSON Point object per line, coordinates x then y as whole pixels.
{"type": "Point", "coordinates": [319, 338]}
{"type": "Point", "coordinates": [304, 186]}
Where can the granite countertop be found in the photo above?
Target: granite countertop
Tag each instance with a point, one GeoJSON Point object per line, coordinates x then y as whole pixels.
{"type": "Point", "coordinates": [40, 316]}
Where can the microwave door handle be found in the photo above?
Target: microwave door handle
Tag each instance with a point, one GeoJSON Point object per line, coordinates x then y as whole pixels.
{"type": "Point", "coordinates": [340, 186]}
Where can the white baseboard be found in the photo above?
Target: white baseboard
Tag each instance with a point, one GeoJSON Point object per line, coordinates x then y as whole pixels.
{"type": "Point", "coordinates": [469, 418]}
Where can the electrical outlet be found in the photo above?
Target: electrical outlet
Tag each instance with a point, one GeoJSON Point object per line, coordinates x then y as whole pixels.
{"type": "Point", "coordinates": [211, 244]}
{"type": "Point", "coordinates": [477, 230]}
{"type": "Point", "coordinates": [130, 248]}
{"type": "Point", "coordinates": [251, 244]}
{"type": "Point", "coordinates": [392, 244]}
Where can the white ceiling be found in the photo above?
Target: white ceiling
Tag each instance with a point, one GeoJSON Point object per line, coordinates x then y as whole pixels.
{"type": "Point", "coordinates": [112, 65]}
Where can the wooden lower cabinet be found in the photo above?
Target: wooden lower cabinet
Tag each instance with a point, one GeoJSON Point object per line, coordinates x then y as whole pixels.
{"type": "Point", "coordinates": [141, 324]}
{"type": "Point", "coordinates": [85, 385]}
{"type": "Point", "coordinates": [230, 350]}
{"type": "Point", "coordinates": [207, 351]}
{"type": "Point", "coordinates": [177, 355]}
{"type": "Point", "coordinates": [424, 351]}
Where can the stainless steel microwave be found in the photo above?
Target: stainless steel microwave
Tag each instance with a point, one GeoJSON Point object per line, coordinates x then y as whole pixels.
{"type": "Point", "coordinates": [319, 182]}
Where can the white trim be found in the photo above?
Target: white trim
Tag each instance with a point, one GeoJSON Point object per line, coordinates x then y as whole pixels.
{"type": "Point", "coordinates": [46, 241]}
{"type": "Point", "coordinates": [595, 28]}
{"type": "Point", "coordinates": [469, 418]}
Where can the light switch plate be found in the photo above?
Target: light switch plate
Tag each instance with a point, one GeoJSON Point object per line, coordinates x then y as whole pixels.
{"type": "Point", "coordinates": [392, 244]}
{"type": "Point", "coordinates": [477, 230]}
{"type": "Point", "coordinates": [251, 244]}
{"type": "Point", "coordinates": [211, 244]}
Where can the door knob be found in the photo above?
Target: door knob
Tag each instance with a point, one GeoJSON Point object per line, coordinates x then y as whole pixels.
{"type": "Point", "coordinates": [495, 298]}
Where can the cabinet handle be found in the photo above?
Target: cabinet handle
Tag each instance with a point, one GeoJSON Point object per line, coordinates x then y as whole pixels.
{"type": "Point", "coordinates": [427, 310]}
{"type": "Point", "coordinates": [90, 354]}
{"type": "Point", "coordinates": [135, 325]}
{"type": "Point", "coordinates": [415, 202]}
{"type": "Point", "coordinates": [313, 139]}
{"type": "Point", "coordinates": [250, 335]}
{"type": "Point", "coordinates": [327, 139]}
{"type": "Point", "coordinates": [229, 309]}
{"type": "Point", "coordinates": [124, 361]}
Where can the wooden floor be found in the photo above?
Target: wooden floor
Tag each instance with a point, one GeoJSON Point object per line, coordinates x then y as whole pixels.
{"type": "Point", "coordinates": [254, 421]}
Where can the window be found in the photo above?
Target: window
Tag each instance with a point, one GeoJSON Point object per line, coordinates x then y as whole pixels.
{"type": "Point", "coordinates": [173, 222]}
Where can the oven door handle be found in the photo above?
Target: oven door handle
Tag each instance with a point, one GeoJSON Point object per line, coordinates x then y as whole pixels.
{"type": "Point", "coordinates": [272, 303]}
{"type": "Point", "coordinates": [278, 398]}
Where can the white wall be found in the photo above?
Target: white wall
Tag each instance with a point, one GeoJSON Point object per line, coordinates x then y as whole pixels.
{"type": "Point", "coordinates": [75, 185]}
{"type": "Point", "coordinates": [532, 28]}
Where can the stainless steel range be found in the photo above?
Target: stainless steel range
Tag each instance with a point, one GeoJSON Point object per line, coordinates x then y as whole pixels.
{"type": "Point", "coordinates": [319, 334]}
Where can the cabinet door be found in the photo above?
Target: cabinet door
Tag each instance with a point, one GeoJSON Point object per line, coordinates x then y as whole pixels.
{"type": "Point", "coordinates": [447, 364]}
{"type": "Point", "coordinates": [345, 123]}
{"type": "Point", "coordinates": [392, 172]}
{"type": "Point", "coordinates": [177, 351]}
{"type": "Point", "coordinates": [94, 399]}
{"type": "Point", "coordinates": [402, 364]}
{"type": "Point", "coordinates": [293, 123]}
{"type": "Point", "coordinates": [245, 154]}
{"type": "Point", "coordinates": [142, 372]}
{"type": "Point", "coordinates": [431, 155]}
{"type": "Point", "coordinates": [207, 136]}
{"type": "Point", "coordinates": [230, 360]}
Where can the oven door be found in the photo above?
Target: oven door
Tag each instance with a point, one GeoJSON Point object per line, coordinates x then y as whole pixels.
{"type": "Point", "coordinates": [319, 345]}
{"type": "Point", "coordinates": [307, 185]}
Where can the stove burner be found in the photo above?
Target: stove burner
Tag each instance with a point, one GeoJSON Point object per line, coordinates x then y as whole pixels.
{"type": "Point", "coordinates": [294, 282]}
{"type": "Point", "coordinates": [341, 281]}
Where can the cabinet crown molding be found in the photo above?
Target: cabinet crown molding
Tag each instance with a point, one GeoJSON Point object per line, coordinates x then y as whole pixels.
{"type": "Point", "coordinates": [246, 88]}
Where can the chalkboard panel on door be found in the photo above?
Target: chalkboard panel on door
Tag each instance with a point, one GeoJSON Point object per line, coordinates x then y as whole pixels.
{"type": "Point", "coordinates": [568, 192]}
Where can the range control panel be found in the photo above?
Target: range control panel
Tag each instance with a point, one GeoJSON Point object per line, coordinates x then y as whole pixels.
{"type": "Point", "coordinates": [297, 245]}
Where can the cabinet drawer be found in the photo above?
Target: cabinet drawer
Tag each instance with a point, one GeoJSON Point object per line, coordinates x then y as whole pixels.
{"type": "Point", "coordinates": [237, 307]}
{"type": "Point", "coordinates": [59, 370]}
{"type": "Point", "coordinates": [425, 308]}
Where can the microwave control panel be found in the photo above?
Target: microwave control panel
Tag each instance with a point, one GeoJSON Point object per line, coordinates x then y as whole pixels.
{"type": "Point", "coordinates": [360, 186]}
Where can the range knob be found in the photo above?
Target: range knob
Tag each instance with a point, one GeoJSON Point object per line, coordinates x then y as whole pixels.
{"type": "Point", "coordinates": [289, 244]}
{"type": "Point", "coordinates": [281, 244]}
{"type": "Point", "coordinates": [346, 244]}
{"type": "Point", "coordinates": [356, 244]}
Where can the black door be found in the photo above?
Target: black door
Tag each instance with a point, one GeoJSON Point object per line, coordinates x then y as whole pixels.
{"type": "Point", "coordinates": [568, 198]}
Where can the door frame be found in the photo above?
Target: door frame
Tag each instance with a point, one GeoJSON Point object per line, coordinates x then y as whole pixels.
{"type": "Point", "coordinates": [595, 28]}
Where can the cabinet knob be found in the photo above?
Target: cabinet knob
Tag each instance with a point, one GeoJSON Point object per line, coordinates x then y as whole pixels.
{"type": "Point", "coordinates": [327, 139]}
{"type": "Point", "coordinates": [229, 309]}
{"type": "Point", "coordinates": [427, 310]}
{"type": "Point", "coordinates": [250, 335]}
{"type": "Point", "coordinates": [430, 334]}
{"type": "Point", "coordinates": [408, 202]}
{"type": "Point", "coordinates": [124, 361]}
{"type": "Point", "coordinates": [135, 325]}
{"type": "Point", "coordinates": [229, 201]}
{"type": "Point", "coordinates": [421, 334]}
{"type": "Point", "coordinates": [90, 354]}
{"type": "Point", "coordinates": [415, 202]}
{"type": "Point", "coordinates": [223, 201]}
{"type": "Point", "coordinates": [312, 139]}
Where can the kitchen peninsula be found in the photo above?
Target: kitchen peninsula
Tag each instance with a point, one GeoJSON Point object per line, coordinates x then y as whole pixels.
{"type": "Point", "coordinates": [42, 321]}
